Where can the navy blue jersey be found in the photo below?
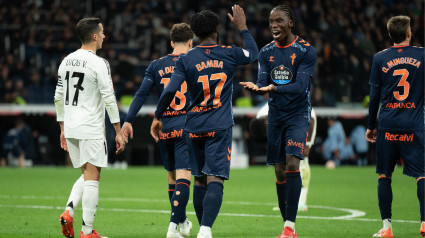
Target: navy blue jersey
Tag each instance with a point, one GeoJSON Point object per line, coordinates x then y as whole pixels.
{"type": "Point", "coordinates": [209, 71]}
{"type": "Point", "coordinates": [290, 69]}
{"type": "Point", "coordinates": [158, 74]}
{"type": "Point", "coordinates": [397, 78]}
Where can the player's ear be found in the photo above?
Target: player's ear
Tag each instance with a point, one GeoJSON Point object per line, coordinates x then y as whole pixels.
{"type": "Point", "coordinates": [172, 44]}
{"type": "Point", "coordinates": [190, 43]}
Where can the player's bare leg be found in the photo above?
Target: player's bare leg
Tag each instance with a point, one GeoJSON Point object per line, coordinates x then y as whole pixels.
{"type": "Point", "coordinates": [66, 219]}
{"type": "Point", "coordinates": [385, 198]}
{"type": "Point", "coordinates": [211, 205]}
{"type": "Point", "coordinates": [178, 205]}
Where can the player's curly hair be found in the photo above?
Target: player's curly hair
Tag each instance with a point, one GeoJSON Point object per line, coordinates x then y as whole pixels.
{"type": "Point", "coordinates": [181, 32]}
{"type": "Point", "coordinates": [86, 27]}
{"type": "Point", "coordinates": [288, 12]}
{"type": "Point", "coordinates": [204, 23]}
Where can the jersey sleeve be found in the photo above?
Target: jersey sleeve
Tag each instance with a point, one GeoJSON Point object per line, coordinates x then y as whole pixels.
{"type": "Point", "coordinates": [250, 53]}
{"type": "Point", "coordinates": [263, 70]}
{"type": "Point", "coordinates": [106, 89]}
{"type": "Point", "coordinates": [169, 92]}
{"type": "Point", "coordinates": [59, 103]}
{"type": "Point", "coordinates": [304, 75]}
{"type": "Point", "coordinates": [375, 78]}
{"type": "Point", "coordinates": [141, 94]}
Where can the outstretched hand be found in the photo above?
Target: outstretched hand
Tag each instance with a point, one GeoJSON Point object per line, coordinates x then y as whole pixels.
{"type": "Point", "coordinates": [249, 86]}
{"type": "Point", "coordinates": [238, 17]}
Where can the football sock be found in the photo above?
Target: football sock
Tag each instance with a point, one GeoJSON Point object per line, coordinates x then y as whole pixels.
{"type": "Point", "coordinates": [179, 201]}
{"type": "Point", "coordinates": [90, 201]}
{"type": "Point", "coordinates": [198, 199]}
{"type": "Point", "coordinates": [171, 188]}
{"type": "Point", "coordinates": [293, 190]}
{"type": "Point", "coordinates": [385, 197]}
{"type": "Point", "coordinates": [290, 224]}
{"type": "Point", "coordinates": [387, 224]}
{"type": "Point", "coordinates": [212, 203]}
{"type": "Point", "coordinates": [305, 178]}
{"type": "Point", "coordinates": [421, 194]}
{"type": "Point", "coordinates": [75, 196]}
{"type": "Point", "coordinates": [281, 197]}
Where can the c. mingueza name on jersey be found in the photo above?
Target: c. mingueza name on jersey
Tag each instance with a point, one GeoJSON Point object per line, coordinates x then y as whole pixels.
{"type": "Point", "coordinates": [76, 62]}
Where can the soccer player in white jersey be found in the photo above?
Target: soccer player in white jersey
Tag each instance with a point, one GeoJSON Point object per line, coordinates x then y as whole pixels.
{"type": "Point", "coordinates": [259, 129]}
{"type": "Point", "coordinates": [83, 91]}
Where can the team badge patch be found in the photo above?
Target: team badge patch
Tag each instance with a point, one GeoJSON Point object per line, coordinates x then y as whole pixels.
{"type": "Point", "coordinates": [281, 75]}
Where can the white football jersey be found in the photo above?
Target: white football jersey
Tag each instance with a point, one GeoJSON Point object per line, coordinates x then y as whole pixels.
{"type": "Point", "coordinates": [83, 91]}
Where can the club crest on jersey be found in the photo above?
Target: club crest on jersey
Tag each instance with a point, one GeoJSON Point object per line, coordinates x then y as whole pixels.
{"type": "Point", "coordinates": [281, 75]}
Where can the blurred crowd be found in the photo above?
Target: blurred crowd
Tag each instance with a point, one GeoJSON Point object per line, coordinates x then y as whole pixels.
{"type": "Point", "coordinates": [35, 35]}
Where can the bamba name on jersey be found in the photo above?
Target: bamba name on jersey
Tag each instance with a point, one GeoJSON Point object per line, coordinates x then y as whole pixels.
{"type": "Point", "coordinates": [76, 62]}
{"type": "Point", "coordinates": [401, 60]}
{"type": "Point", "coordinates": [209, 64]}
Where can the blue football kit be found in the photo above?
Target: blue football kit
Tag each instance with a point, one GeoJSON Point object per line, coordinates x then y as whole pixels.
{"type": "Point", "coordinates": [397, 80]}
{"type": "Point", "coordinates": [289, 68]}
{"type": "Point", "coordinates": [172, 141]}
{"type": "Point", "coordinates": [208, 71]}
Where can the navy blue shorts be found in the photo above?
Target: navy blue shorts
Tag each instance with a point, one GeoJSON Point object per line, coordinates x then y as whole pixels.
{"type": "Point", "coordinates": [173, 149]}
{"type": "Point", "coordinates": [210, 152]}
{"type": "Point", "coordinates": [285, 140]}
{"type": "Point", "coordinates": [391, 146]}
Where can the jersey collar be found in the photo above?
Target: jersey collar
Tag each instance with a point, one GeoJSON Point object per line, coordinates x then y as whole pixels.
{"type": "Point", "coordinates": [286, 46]}
{"type": "Point", "coordinates": [206, 46]}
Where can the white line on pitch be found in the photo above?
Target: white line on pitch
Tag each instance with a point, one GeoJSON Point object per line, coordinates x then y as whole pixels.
{"type": "Point", "coordinates": [192, 213]}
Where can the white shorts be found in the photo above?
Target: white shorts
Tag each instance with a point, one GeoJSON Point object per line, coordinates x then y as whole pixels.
{"type": "Point", "coordinates": [92, 151]}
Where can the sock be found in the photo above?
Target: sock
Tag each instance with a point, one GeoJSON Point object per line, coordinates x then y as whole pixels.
{"type": "Point", "coordinates": [421, 197]}
{"type": "Point", "coordinates": [90, 201]}
{"type": "Point", "coordinates": [293, 190]}
{"type": "Point", "coordinates": [198, 199]}
{"type": "Point", "coordinates": [75, 196]}
{"type": "Point", "coordinates": [171, 188]}
{"type": "Point", "coordinates": [281, 197]}
{"type": "Point", "coordinates": [205, 230]}
{"type": "Point", "coordinates": [179, 201]}
{"type": "Point", "coordinates": [385, 197]}
{"type": "Point", "coordinates": [290, 224]}
{"type": "Point", "coordinates": [212, 203]}
{"type": "Point", "coordinates": [303, 195]}
{"type": "Point", "coordinates": [387, 224]}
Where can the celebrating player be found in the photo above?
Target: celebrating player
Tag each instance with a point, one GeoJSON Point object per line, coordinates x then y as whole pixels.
{"type": "Point", "coordinates": [398, 75]}
{"type": "Point", "coordinates": [258, 128]}
{"type": "Point", "coordinates": [286, 68]}
{"type": "Point", "coordinates": [83, 91]}
{"type": "Point", "coordinates": [208, 70]}
{"type": "Point", "coordinates": [172, 139]}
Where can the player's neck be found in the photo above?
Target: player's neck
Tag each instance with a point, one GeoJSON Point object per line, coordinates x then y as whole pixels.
{"type": "Point", "coordinates": [91, 47]}
{"type": "Point", "coordinates": [208, 41]}
{"type": "Point", "coordinates": [404, 43]}
{"type": "Point", "coordinates": [287, 40]}
{"type": "Point", "coordinates": [180, 50]}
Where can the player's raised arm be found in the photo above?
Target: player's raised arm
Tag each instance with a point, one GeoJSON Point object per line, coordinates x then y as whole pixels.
{"type": "Point", "coordinates": [239, 20]}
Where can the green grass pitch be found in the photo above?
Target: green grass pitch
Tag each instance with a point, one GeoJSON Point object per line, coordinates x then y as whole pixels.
{"type": "Point", "coordinates": [134, 203]}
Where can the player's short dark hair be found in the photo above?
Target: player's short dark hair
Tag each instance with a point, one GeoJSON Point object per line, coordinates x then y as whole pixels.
{"type": "Point", "coordinates": [397, 28]}
{"type": "Point", "coordinates": [258, 128]}
{"type": "Point", "coordinates": [288, 12]}
{"type": "Point", "coordinates": [181, 32]}
{"type": "Point", "coordinates": [204, 23]}
{"type": "Point", "coordinates": [86, 27]}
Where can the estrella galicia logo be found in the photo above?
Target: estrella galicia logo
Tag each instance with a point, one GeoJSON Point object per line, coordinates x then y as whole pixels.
{"type": "Point", "coordinates": [281, 75]}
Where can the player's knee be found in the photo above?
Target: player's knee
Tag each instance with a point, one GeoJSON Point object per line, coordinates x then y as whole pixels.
{"type": "Point", "coordinates": [175, 203]}
{"type": "Point", "coordinates": [280, 173]}
{"type": "Point", "coordinates": [201, 181]}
